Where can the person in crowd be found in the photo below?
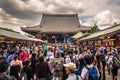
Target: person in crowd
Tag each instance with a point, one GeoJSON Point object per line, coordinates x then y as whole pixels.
{"type": "Point", "coordinates": [3, 68]}
{"type": "Point", "coordinates": [113, 69]}
{"type": "Point", "coordinates": [17, 50]}
{"type": "Point", "coordinates": [58, 66]}
{"type": "Point", "coordinates": [67, 58]}
{"type": "Point", "coordinates": [51, 63]}
{"type": "Point", "coordinates": [99, 65]}
{"type": "Point", "coordinates": [89, 52]}
{"type": "Point", "coordinates": [35, 51]}
{"type": "Point", "coordinates": [83, 53]}
{"type": "Point", "coordinates": [42, 69]}
{"type": "Point", "coordinates": [15, 71]}
{"type": "Point", "coordinates": [33, 60]}
{"type": "Point", "coordinates": [82, 64]}
{"type": "Point", "coordinates": [27, 50]}
{"type": "Point", "coordinates": [11, 57]}
{"type": "Point", "coordinates": [41, 53]}
{"type": "Point", "coordinates": [5, 53]}
{"type": "Point", "coordinates": [108, 57]}
{"type": "Point", "coordinates": [64, 76]}
{"type": "Point", "coordinates": [1, 52]}
{"type": "Point", "coordinates": [16, 61]}
{"type": "Point", "coordinates": [16, 67]}
{"type": "Point", "coordinates": [76, 57]}
{"type": "Point", "coordinates": [23, 56]}
{"type": "Point", "coordinates": [103, 60]}
{"type": "Point", "coordinates": [90, 67]}
{"type": "Point", "coordinates": [50, 52]}
{"type": "Point", "coordinates": [70, 70]}
{"type": "Point", "coordinates": [71, 55]}
{"type": "Point", "coordinates": [28, 70]}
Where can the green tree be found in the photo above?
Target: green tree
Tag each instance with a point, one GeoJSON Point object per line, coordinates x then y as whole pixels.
{"type": "Point", "coordinates": [94, 29]}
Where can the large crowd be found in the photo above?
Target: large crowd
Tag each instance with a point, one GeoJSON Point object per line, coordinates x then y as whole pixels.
{"type": "Point", "coordinates": [69, 62]}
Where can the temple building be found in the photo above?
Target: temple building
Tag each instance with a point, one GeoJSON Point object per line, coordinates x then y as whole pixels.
{"type": "Point", "coordinates": [56, 28]}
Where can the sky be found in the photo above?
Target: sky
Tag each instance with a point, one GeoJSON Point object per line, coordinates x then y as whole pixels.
{"type": "Point", "coordinates": [21, 13]}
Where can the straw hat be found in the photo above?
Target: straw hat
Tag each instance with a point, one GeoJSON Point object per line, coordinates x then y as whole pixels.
{"type": "Point", "coordinates": [71, 66]}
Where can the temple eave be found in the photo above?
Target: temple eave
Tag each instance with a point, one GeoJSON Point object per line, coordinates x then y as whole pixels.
{"type": "Point", "coordinates": [60, 32]}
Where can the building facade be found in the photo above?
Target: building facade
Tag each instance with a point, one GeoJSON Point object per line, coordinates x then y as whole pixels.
{"type": "Point", "coordinates": [56, 28]}
{"type": "Point", "coordinates": [107, 37]}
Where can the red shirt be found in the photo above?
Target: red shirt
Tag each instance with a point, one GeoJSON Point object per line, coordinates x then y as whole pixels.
{"type": "Point", "coordinates": [23, 56]}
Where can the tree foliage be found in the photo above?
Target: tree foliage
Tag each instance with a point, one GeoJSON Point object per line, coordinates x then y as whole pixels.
{"type": "Point", "coordinates": [94, 29]}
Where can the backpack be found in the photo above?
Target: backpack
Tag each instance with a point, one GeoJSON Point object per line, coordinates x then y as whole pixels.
{"type": "Point", "coordinates": [116, 63]}
{"type": "Point", "coordinates": [58, 64]}
{"type": "Point", "coordinates": [92, 73]}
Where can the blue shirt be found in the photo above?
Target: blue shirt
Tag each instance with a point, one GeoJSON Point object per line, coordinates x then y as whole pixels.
{"type": "Point", "coordinates": [10, 58]}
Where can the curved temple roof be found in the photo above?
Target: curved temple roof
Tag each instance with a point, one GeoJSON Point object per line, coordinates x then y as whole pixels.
{"type": "Point", "coordinates": [16, 35]}
{"type": "Point", "coordinates": [57, 23]}
{"type": "Point", "coordinates": [108, 31]}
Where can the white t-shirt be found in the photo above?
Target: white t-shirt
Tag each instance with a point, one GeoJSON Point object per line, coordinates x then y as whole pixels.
{"type": "Point", "coordinates": [73, 77]}
{"type": "Point", "coordinates": [110, 61]}
{"type": "Point", "coordinates": [67, 60]}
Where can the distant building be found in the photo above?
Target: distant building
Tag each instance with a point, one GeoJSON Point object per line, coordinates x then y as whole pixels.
{"type": "Point", "coordinates": [56, 28]}
{"type": "Point", "coordinates": [106, 37]}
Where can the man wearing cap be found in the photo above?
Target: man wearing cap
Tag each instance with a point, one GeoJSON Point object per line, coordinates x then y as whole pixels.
{"type": "Point", "coordinates": [70, 70]}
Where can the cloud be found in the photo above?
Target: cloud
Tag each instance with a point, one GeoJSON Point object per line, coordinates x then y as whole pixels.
{"type": "Point", "coordinates": [3, 15]}
{"type": "Point", "coordinates": [28, 12]}
{"type": "Point", "coordinates": [106, 19]}
{"type": "Point", "coordinates": [95, 6]}
{"type": "Point", "coordinates": [25, 11]}
{"type": "Point", "coordinates": [103, 19]}
{"type": "Point", "coordinates": [57, 6]}
{"type": "Point", "coordinates": [8, 19]}
{"type": "Point", "coordinates": [18, 9]}
{"type": "Point", "coordinates": [69, 6]}
{"type": "Point", "coordinates": [30, 9]}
